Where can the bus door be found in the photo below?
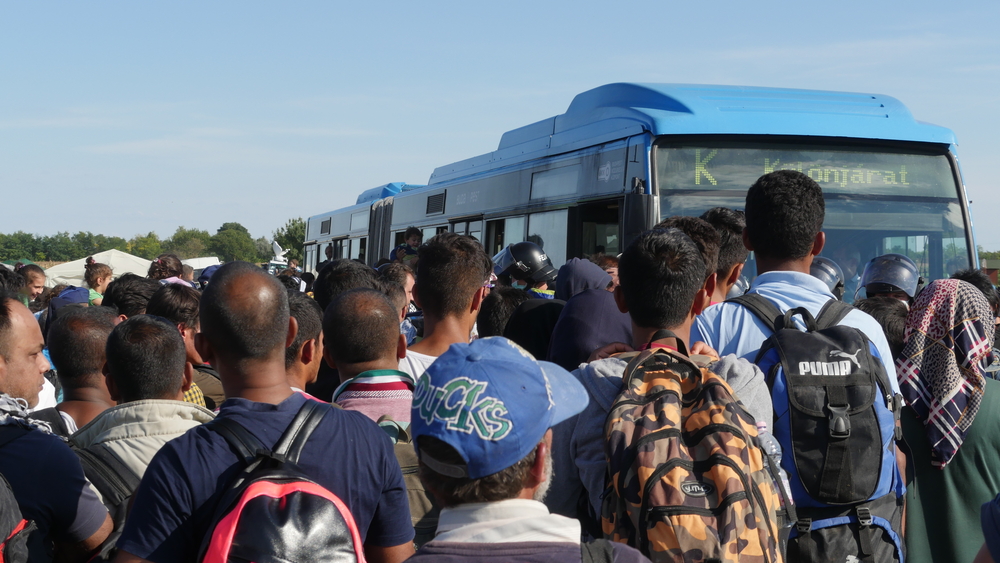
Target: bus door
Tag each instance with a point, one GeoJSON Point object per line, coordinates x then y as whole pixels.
{"type": "Point", "coordinates": [379, 230]}
{"type": "Point", "coordinates": [594, 228]}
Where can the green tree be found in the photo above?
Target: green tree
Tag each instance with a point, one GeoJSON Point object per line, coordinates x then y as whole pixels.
{"type": "Point", "coordinates": [146, 246]}
{"type": "Point", "coordinates": [264, 250]}
{"type": "Point", "coordinates": [233, 227]}
{"type": "Point", "coordinates": [291, 237]}
{"type": "Point", "coordinates": [233, 244]}
{"type": "Point", "coordinates": [188, 243]}
{"type": "Point", "coordinates": [60, 247]}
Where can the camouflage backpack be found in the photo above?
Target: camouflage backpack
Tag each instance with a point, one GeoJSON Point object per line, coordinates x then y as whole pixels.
{"type": "Point", "coordinates": [688, 480]}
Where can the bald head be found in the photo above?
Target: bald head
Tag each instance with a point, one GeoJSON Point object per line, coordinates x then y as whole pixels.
{"type": "Point", "coordinates": [361, 325]}
{"type": "Point", "coordinates": [244, 313]}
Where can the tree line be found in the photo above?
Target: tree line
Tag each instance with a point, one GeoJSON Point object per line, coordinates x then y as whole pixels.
{"type": "Point", "coordinates": [232, 241]}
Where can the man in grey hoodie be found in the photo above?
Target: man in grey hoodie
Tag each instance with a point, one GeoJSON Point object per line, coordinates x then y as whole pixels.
{"type": "Point", "coordinates": [661, 288]}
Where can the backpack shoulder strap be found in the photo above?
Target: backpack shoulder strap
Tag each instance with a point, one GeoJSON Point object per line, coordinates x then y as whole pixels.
{"type": "Point", "coordinates": [761, 307]}
{"type": "Point", "coordinates": [832, 313]}
{"type": "Point", "coordinates": [597, 551]}
{"type": "Point", "coordinates": [302, 426]}
{"type": "Point", "coordinates": [115, 480]}
{"type": "Point", "coordinates": [238, 437]}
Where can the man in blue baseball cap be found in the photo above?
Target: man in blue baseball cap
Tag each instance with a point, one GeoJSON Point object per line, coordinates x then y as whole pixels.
{"type": "Point", "coordinates": [481, 420]}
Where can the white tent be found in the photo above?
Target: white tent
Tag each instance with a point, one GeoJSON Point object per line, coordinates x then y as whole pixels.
{"type": "Point", "coordinates": [72, 272]}
{"type": "Point", "coordinates": [201, 263]}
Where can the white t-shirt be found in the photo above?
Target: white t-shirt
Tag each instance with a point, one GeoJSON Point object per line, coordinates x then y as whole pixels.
{"type": "Point", "coordinates": [415, 363]}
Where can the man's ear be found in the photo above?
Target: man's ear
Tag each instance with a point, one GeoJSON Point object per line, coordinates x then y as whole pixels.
{"type": "Point", "coordinates": [477, 300]}
{"type": "Point", "coordinates": [746, 240]}
{"type": "Point", "coordinates": [110, 383]}
{"type": "Point", "coordinates": [308, 351]}
{"type": "Point", "coordinates": [710, 283]}
{"type": "Point", "coordinates": [293, 329]}
{"type": "Point", "coordinates": [701, 302]}
{"type": "Point", "coordinates": [536, 475]}
{"type": "Point", "coordinates": [204, 348]}
{"type": "Point", "coordinates": [328, 357]}
{"type": "Point", "coordinates": [188, 377]}
{"type": "Point", "coordinates": [620, 299]}
{"type": "Point", "coordinates": [734, 274]}
{"type": "Point", "coordinates": [401, 347]}
{"type": "Point", "coordinates": [416, 300]}
{"type": "Point", "coordinates": [120, 319]}
{"type": "Point", "coordinates": [818, 243]}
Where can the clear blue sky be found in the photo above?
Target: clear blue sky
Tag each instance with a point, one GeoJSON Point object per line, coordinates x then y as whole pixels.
{"type": "Point", "coordinates": [126, 117]}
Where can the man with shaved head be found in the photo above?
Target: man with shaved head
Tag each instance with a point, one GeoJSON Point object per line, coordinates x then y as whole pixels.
{"type": "Point", "coordinates": [362, 340]}
{"type": "Point", "coordinates": [246, 328]}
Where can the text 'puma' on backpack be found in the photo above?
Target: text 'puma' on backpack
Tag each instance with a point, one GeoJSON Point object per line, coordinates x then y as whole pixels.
{"type": "Point", "coordinates": [688, 480]}
{"type": "Point", "coordinates": [272, 512]}
{"type": "Point", "coordinates": [835, 418]}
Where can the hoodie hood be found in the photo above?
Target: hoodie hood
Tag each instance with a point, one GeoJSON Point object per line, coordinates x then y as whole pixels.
{"type": "Point", "coordinates": [748, 384]}
{"type": "Point", "coordinates": [603, 381]}
{"type": "Point", "coordinates": [589, 320]}
{"type": "Point", "coordinates": [578, 275]}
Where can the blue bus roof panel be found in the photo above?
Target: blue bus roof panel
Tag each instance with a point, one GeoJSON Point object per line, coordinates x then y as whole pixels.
{"type": "Point", "coordinates": [381, 192]}
{"type": "Point", "coordinates": [615, 111]}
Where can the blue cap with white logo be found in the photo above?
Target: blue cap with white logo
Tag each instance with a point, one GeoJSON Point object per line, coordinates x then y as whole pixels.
{"type": "Point", "coordinates": [492, 402]}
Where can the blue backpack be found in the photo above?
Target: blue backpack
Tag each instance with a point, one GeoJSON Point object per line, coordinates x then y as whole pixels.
{"type": "Point", "coordinates": [835, 417]}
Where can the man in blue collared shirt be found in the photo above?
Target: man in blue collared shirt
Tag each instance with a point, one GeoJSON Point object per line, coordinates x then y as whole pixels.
{"type": "Point", "coordinates": [784, 221]}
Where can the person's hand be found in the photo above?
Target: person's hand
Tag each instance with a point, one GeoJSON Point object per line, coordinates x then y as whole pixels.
{"type": "Point", "coordinates": [400, 254]}
{"type": "Point", "coordinates": [609, 350]}
{"type": "Point", "coordinates": [702, 349]}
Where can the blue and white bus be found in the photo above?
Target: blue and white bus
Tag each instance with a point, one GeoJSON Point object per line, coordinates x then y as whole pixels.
{"type": "Point", "coordinates": [625, 156]}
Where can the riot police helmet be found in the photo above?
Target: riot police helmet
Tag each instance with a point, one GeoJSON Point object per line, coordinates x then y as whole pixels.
{"type": "Point", "coordinates": [524, 261]}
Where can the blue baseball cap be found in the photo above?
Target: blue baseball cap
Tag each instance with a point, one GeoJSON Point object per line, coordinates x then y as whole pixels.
{"type": "Point", "coordinates": [492, 402]}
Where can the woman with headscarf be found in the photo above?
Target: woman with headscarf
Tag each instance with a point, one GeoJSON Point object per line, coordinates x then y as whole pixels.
{"type": "Point", "coordinates": [951, 423]}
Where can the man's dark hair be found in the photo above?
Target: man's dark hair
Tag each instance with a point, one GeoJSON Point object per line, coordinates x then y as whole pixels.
{"type": "Point", "coordinates": [454, 491]}
{"type": "Point", "coordinates": [396, 272]}
{"type": "Point", "coordinates": [660, 274]}
{"type": "Point", "coordinates": [497, 309]}
{"type": "Point", "coordinates": [784, 213]}
{"type": "Point", "coordinates": [177, 303]}
{"type": "Point", "coordinates": [361, 325]}
{"type": "Point", "coordinates": [10, 280]}
{"type": "Point", "coordinates": [702, 233]}
{"type": "Point", "coordinates": [309, 316]}
{"type": "Point", "coordinates": [450, 269]}
{"type": "Point", "coordinates": [8, 299]}
{"type": "Point", "coordinates": [146, 359]}
{"type": "Point", "coordinates": [890, 313]}
{"type": "Point", "coordinates": [129, 294]}
{"type": "Point", "coordinates": [237, 323]}
{"type": "Point", "coordinates": [396, 294]}
{"type": "Point", "coordinates": [729, 223]}
{"type": "Point", "coordinates": [77, 341]}
{"type": "Point", "coordinates": [289, 281]}
{"type": "Point", "coordinates": [341, 275]}
{"type": "Point", "coordinates": [410, 231]}
{"type": "Point", "coordinates": [983, 283]}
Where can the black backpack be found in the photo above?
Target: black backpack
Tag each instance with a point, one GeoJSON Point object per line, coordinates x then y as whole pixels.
{"type": "Point", "coordinates": [14, 529]}
{"type": "Point", "coordinates": [271, 511]}
{"type": "Point", "coordinates": [835, 418]}
{"type": "Point", "coordinates": [116, 482]}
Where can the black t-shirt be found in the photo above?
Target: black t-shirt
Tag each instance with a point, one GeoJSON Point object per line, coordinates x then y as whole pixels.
{"type": "Point", "coordinates": [51, 490]}
{"type": "Point", "coordinates": [348, 454]}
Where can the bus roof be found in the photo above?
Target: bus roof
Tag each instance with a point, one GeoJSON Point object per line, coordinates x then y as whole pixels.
{"type": "Point", "coordinates": [616, 111]}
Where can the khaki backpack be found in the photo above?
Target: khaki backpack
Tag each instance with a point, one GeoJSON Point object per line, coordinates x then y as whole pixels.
{"type": "Point", "coordinates": [423, 511]}
{"type": "Point", "coordinates": [687, 480]}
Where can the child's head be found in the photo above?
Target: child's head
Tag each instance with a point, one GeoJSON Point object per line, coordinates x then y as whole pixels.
{"type": "Point", "coordinates": [97, 275]}
{"type": "Point", "coordinates": [412, 236]}
{"type": "Point", "coordinates": [165, 266]}
{"type": "Point", "coordinates": [34, 280]}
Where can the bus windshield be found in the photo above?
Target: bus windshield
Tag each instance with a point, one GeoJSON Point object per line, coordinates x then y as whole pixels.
{"type": "Point", "coordinates": [878, 199]}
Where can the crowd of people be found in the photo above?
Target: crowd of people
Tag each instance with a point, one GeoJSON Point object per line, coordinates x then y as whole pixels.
{"type": "Point", "coordinates": [452, 406]}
